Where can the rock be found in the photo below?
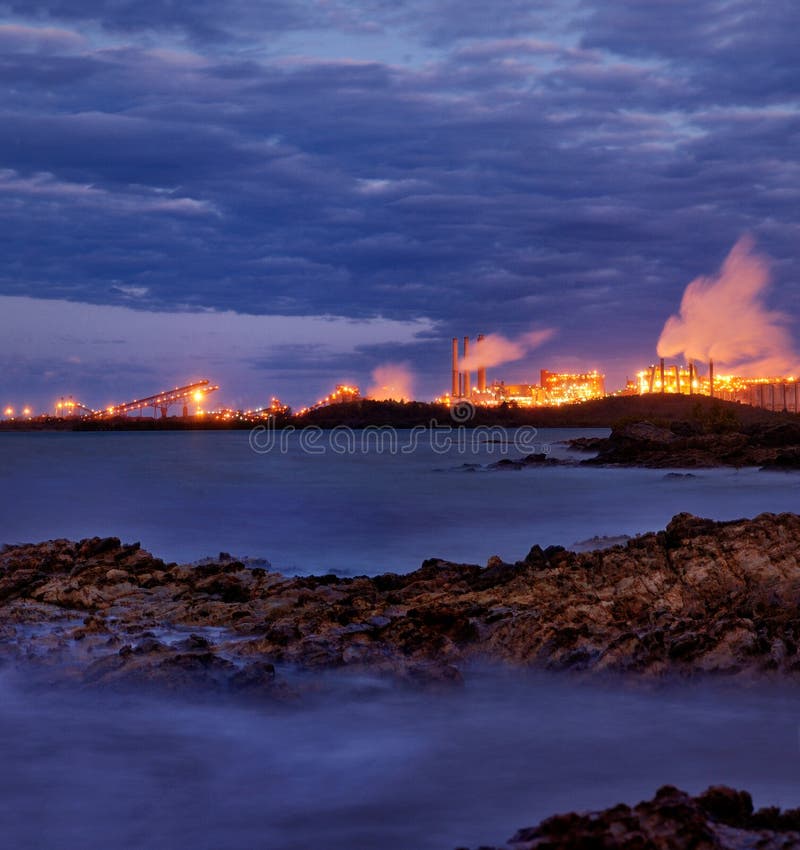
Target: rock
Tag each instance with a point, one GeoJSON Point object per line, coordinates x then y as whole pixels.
{"type": "Point", "coordinates": [97, 546]}
{"type": "Point", "coordinates": [256, 676]}
{"type": "Point", "coordinates": [694, 444]}
{"type": "Point", "coordinates": [116, 575]}
{"type": "Point", "coordinates": [784, 460]}
{"type": "Point", "coordinates": [643, 432]}
{"type": "Point", "coordinates": [696, 599]}
{"type": "Point", "coordinates": [719, 819]}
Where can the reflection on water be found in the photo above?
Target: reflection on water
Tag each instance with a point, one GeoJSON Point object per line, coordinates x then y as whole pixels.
{"type": "Point", "coordinates": [364, 765]}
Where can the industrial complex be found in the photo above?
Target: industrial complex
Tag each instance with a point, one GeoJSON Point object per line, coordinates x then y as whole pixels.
{"type": "Point", "coordinates": [554, 388]}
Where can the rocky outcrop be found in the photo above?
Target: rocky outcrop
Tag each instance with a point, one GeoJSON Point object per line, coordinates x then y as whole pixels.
{"type": "Point", "coordinates": [691, 444]}
{"type": "Point", "coordinates": [719, 819]}
{"type": "Point", "coordinates": [700, 597]}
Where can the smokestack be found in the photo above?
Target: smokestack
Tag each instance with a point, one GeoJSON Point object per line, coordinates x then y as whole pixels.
{"type": "Point", "coordinates": [677, 379]}
{"type": "Point", "coordinates": [663, 385]}
{"type": "Point", "coordinates": [454, 382]}
{"type": "Point", "coordinates": [481, 368]}
{"type": "Point", "coordinates": [467, 377]}
{"type": "Point", "coordinates": [711, 378]}
{"type": "Point", "coordinates": [691, 377]}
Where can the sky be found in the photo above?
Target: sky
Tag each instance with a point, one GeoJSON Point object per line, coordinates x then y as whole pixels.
{"type": "Point", "coordinates": [282, 196]}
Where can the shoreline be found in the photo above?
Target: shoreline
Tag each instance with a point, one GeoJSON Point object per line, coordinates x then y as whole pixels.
{"type": "Point", "coordinates": [698, 599]}
{"type": "Point", "coordinates": [698, 604]}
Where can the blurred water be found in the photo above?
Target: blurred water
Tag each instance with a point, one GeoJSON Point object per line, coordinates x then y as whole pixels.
{"type": "Point", "coordinates": [363, 765]}
{"type": "Point", "coordinates": [186, 495]}
{"type": "Point", "coordinates": [368, 766]}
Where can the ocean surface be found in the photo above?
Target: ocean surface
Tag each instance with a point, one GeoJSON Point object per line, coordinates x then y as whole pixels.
{"type": "Point", "coordinates": [361, 764]}
{"type": "Point", "coordinates": [370, 767]}
{"type": "Point", "coordinates": [369, 509]}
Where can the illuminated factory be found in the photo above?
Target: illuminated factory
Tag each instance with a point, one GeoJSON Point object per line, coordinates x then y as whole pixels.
{"type": "Point", "coordinates": [772, 393]}
{"type": "Point", "coordinates": [553, 389]}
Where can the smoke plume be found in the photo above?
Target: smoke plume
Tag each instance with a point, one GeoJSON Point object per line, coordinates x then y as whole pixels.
{"type": "Point", "coordinates": [391, 381]}
{"type": "Point", "coordinates": [494, 349]}
{"type": "Point", "coordinates": [724, 318]}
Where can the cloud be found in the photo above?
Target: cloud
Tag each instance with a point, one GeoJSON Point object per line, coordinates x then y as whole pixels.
{"type": "Point", "coordinates": [17, 38]}
{"type": "Point", "coordinates": [46, 186]}
{"type": "Point", "coordinates": [553, 164]}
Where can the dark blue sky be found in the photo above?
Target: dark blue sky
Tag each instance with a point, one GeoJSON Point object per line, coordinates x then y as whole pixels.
{"type": "Point", "coordinates": [430, 167]}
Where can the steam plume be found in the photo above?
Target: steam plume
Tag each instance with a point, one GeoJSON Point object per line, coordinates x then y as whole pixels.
{"type": "Point", "coordinates": [494, 349]}
{"type": "Point", "coordinates": [391, 381]}
{"type": "Point", "coordinates": [724, 318]}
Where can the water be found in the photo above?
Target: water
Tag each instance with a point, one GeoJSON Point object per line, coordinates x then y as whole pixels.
{"type": "Point", "coordinates": [187, 495]}
{"type": "Point", "coordinates": [368, 766]}
{"type": "Point", "coordinates": [362, 764]}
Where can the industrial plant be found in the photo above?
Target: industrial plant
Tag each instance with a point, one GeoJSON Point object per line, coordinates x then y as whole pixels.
{"type": "Point", "coordinates": [553, 389]}
{"type": "Point", "coordinates": [771, 393]}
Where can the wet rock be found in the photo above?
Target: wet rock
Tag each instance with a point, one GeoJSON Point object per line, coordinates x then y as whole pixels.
{"type": "Point", "coordinates": [255, 676]}
{"type": "Point", "coordinates": [695, 444]}
{"type": "Point", "coordinates": [193, 642]}
{"type": "Point", "coordinates": [719, 819]}
{"type": "Point", "coordinates": [786, 460]}
{"type": "Point", "coordinates": [699, 598]}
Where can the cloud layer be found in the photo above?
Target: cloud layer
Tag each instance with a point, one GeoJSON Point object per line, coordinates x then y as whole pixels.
{"type": "Point", "coordinates": [484, 167]}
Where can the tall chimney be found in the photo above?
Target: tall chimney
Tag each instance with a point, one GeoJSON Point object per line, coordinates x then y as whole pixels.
{"type": "Point", "coordinates": [711, 378]}
{"type": "Point", "coordinates": [677, 379]}
{"type": "Point", "coordinates": [454, 383]}
{"type": "Point", "coordinates": [467, 376]}
{"type": "Point", "coordinates": [663, 385]}
{"type": "Point", "coordinates": [481, 367]}
{"type": "Point", "coordinates": [691, 377]}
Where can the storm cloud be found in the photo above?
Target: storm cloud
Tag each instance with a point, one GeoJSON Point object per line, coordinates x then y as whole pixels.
{"type": "Point", "coordinates": [572, 165]}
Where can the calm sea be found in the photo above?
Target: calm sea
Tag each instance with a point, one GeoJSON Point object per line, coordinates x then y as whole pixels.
{"type": "Point", "coordinates": [314, 508]}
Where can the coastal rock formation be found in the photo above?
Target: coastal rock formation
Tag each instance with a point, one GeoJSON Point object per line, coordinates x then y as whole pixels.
{"type": "Point", "coordinates": [719, 819]}
{"type": "Point", "coordinates": [697, 444]}
{"type": "Point", "coordinates": [700, 597]}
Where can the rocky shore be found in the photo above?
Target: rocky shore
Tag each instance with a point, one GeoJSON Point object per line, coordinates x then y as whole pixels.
{"type": "Point", "coordinates": [698, 598]}
{"type": "Point", "coordinates": [681, 444]}
{"type": "Point", "coordinates": [719, 819]}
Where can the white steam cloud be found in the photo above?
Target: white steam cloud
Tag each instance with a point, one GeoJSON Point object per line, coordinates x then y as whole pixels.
{"type": "Point", "coordinates": [494, 349]}
{"type": "Point", "coordinates": [724, 318]}
{"type": "Point", "coordinates": [391, 381]}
